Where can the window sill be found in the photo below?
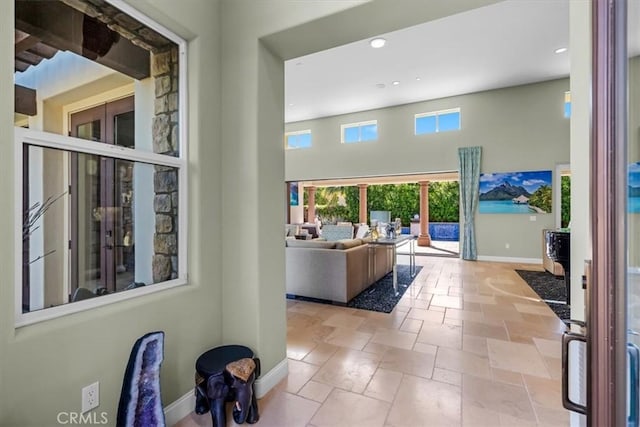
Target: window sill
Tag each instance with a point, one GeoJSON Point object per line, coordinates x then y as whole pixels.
{"type": "Point", "coordinates": [25, 319]}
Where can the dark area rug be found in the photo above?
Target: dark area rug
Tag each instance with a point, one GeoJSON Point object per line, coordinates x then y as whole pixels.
{"type": "Point", "coordinates": [379, 296]}
{"type": "Point", "coordinates": [549, 288]}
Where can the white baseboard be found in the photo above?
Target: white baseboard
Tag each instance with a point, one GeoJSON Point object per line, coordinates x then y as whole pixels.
{"type": "Point", "coordinates": [510, 259]}
{"type": "Point", "coordinates": [179, 409]}
{"type": "Point", "coordinates": [185, 404]}
{"type": "Point", "coordinates": [269, 380]}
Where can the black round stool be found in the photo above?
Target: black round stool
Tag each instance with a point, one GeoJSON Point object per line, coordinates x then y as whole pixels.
{"type": "Point", "coordinates": [227, 374]}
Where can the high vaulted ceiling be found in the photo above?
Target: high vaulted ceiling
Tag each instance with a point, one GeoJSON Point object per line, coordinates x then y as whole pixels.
{"type": "Point", "coordinates": [505, 44]}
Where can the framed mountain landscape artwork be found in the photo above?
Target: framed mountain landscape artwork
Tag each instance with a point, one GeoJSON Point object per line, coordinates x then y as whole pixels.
{"type": "Point", "coordinates": [515, 192]}
{"type": "Point", "coordinates": [634, 188]}
{"type": "Point", "coordinates": [293, 194]}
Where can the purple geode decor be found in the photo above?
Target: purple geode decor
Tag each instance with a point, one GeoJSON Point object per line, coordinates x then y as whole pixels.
{"type": "Point", "coordinates": [140, 402]}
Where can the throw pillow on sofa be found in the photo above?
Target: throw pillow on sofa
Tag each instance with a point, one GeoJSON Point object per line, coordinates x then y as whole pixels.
{"type": "Point", "coordinates": [348, 243]}
{"type": "Point", "coordinates": [290, 230]}
{"type": "Point", "coordinates": [337, 232]}
{"type": "Point", "coordinates": [363, 230]}
{"type": "Point", "coordinates": [320, 244]}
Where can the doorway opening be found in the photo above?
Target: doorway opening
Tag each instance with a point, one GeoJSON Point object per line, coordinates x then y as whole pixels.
{"type": "Point", "coordinates": [334, 201]}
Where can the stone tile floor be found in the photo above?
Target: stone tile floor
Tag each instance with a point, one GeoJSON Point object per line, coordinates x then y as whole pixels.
{"type": "Point", "coordinates": [469, 344]}
{"type": "Point", "coordinates": [437, 248]}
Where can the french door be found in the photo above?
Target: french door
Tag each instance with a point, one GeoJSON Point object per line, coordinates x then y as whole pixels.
{"type": "Point", "coordinates": [630, 333]}
{"type": "Point", "coordinates": [612, 329]}
{"type": "Point", "coordinates": [102, 250]}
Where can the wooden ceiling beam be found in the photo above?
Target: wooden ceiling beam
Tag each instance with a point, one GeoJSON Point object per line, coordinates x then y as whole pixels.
{"type": "Point", "coordinates": [65, 28]}
{"type": "Point", "coordinates": [26, 44]}
{"type": "Point", "coordinates": [25, 100]}
{"type": "Point", "coordinates": [43, 50]}
{"type": "Point", "coordinates": [29, 58]}
{"type": "Point", "coordinates": [383, 179]}
{"type": "Point", "coordinates": [21, 66]}
{"type": "Point", "coordinates": [18, 36]}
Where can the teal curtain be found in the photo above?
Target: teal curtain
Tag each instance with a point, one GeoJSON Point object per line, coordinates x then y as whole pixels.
{"type": "Point", "coordinates": [469, 164]}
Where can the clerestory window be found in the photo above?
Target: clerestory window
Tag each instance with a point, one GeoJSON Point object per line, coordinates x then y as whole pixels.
{"type": "Point", "coordinates": [359, 132]}
{"type": "Point", "coordinates": [437, 121]}
{"type": "Point", "coordinates": [298, 139]}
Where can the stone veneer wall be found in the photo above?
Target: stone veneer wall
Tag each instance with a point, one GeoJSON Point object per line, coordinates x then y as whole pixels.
{"type": "Point", "coordinates": [164, 69]}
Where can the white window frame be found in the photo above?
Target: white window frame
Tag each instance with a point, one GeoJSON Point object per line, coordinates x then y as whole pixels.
{"type": "Point", "coordinates": [358, 125]}
{"type": "Point", "coordinates": [294, 133]}
{"type": "Point", "coordinates": [24, 136]}
{"type": "Point", "coordinates": [437, 115]}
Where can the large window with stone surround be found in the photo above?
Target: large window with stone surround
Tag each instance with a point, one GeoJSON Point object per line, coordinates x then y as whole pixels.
{"type": "Point", "coordinates": [100, 149]}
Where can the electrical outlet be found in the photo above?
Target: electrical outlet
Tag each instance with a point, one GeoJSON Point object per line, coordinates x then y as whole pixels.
{"type": "Point", "coordinates": [507, 246]}
{"type": "Point", "coordinates": [90, 397]}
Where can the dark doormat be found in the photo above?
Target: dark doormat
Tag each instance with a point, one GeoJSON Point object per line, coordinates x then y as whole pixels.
{"type": "Point", "coordinates": [549, 288]}
{"type": "Point", "coordinates": [379, 296]}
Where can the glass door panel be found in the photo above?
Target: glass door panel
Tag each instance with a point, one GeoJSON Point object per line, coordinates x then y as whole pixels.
{"type": "Point", "coordinates": [89, 130]}
{"type": "Point", "coordinates": [633, 209]}
{"type": "Point", "coordinates": [103, 189]}
{"type": "Point", "coordinates": [124, 224]}
{"type": "Point", "coordinates": [89, 234]}
{"type": "Point", "coordinates": [124, 129]}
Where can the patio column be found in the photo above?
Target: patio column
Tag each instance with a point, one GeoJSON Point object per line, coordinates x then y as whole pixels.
{"type": "Point", "coordinates": [311, 210]}
{"type": "Point", "coordinates": [424, 239]}
{"type": "Point", "coordinates": [363, 203]}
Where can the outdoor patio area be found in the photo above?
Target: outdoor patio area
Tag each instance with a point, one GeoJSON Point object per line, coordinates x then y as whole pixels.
{"type": "Point", "coordinates": [437, 248]}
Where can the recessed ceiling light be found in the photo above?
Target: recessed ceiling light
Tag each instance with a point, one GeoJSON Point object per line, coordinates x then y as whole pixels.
{"type": "Point", "coordinates": [560, 50]}
{"type": "Point", "coordinates": [378, 42]}
{"type": "Point", "coordinates": [396, 83]}
{"type": "Point", "coordinates": [417, 79]}
{"type": "Point", "coordinates": [291, 105]}
{"type": "Point", "coordinates": [380, 85]}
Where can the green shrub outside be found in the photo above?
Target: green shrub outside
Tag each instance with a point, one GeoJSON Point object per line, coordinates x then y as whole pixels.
{"type": "Point", "coordinates": [565, 208]}
{"type": "Point", "coordinates": [402, 200]}
{"type": "Point", "coordinates": [541, 198]}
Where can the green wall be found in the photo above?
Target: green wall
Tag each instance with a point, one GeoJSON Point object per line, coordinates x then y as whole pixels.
{"type": "Point", "coordinates": [236, 200]}
{"type": "Point", "coordinates": [44, 366]}
{"type": "Point", "coordinates": [520, 128]}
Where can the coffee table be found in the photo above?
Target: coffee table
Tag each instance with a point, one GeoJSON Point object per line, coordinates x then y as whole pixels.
{"type": "Point", "coordinates": [393, 244]}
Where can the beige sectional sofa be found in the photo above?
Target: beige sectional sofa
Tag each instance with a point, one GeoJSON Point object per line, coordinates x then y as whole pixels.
{"type": "Point", "coordinates": [335, 271]}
